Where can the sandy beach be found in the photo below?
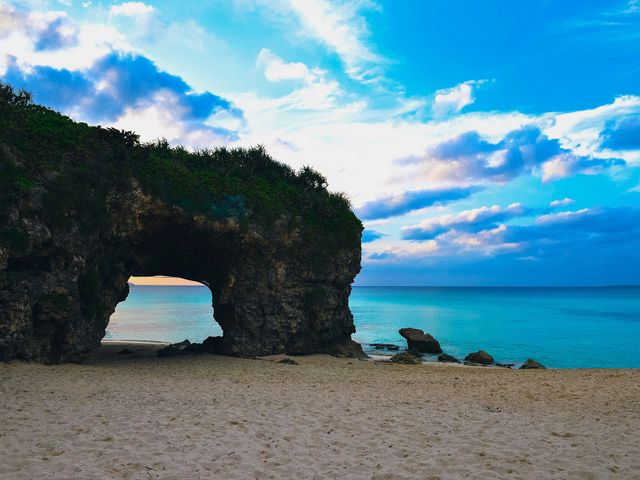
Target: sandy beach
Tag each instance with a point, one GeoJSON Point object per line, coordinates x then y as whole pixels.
{"type": "Point", "coordinates": [142, 417]}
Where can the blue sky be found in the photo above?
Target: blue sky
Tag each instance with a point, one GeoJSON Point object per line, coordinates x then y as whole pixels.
{"type": "Point", "coordinates": [481, 142]}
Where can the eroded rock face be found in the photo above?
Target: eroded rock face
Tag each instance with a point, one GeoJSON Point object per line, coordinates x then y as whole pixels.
{"type": "Point", "coordinates": [79, 220]}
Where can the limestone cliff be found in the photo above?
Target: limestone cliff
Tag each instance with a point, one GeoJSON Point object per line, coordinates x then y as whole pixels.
{"type": "Point", "coordinates": [82, 208]}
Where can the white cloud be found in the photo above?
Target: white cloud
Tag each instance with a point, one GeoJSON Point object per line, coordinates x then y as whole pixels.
{"type": "Point", "coordinates": [321, 95]}
{"type": "Point", "coordinates": [357, 148]}
{"type": "Point", "coordinates": [342, 29]}
{"type": "Point", "coordinates": [161, 118]}
{"type": "Point", "coordinates": [339, 25]}
{"type": "Point", "coordinates": [558, 167]}
{"type": "Point", "coordinates": [10, 20]}
{"type": "Point", "coordinates": [132, 9]}
{"type": "Point", "coordinates": [486, 242]}
{"type": "Point", "coordinates": [453, 100]}
{"type": "Point", "coordinates": [479, 217]}
{"type": "Point", "coordinates": [562, 216]}
{"type": "Point", "coordinates": [388, 250]}
{"type": "Point", "coordinates": [277, 69]}
{"type": "Point", "coordinates": [561, 203]}
{"type": "Point", "coordinates": [20, 32]}
{"type": "Point", "coordinates": [451, 244]}
{"type": "Point", "coordinates": [579, 131]}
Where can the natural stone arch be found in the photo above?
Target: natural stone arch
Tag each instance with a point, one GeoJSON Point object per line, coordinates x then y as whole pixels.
{"type": "Point", "coordinates": [265, 297]}
{"type": "Point", "coordinates": [84, 208]}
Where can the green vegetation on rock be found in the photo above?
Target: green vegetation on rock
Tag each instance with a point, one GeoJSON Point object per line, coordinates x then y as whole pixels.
{"type": "Point", "coordinates": [78, 166]}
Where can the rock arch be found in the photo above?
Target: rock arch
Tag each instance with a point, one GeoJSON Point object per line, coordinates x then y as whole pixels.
{"type": "Point", "coordinates": [83, 208]}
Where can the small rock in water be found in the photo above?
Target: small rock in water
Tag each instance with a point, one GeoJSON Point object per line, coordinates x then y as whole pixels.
{"type": "Point", "coordinates": [532, 364]}
{"type": "Point", "coordinates": [424, 342]}
{"type": "Point", "coordinates": [473, 364]}
{"type": "Point", "coordinates": [505, 365]}
{"type": "Point", "coordinates": [288, 361]}
{"type": "Point", "coordinates": [446, 358]}
{"type": "Point", "coordinates": [406, 358]}
{"type": "Point", "coordinates": [384, 346]}
{"type": "Point", "coordinates": [481, 357]}
{"type": "Point", "coordinates": [125, 351]}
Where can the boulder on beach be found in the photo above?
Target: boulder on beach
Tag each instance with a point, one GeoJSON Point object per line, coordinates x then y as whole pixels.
{"type": "Point", "coordinates": [384, 346]}
{"type": "Point", "coordinates": [175, 349]}
{"type": "Point", "coordinates": [288, 361]}
{"type": "Point", "coordinates": [419, 340]}
{"type": "Point", "coordinates": [505, 365]}
{"type": "Point", "coordinates": [481, 357]}
{"type": "Point", "coordinates": [348, 349]}
{"type": "Point", "coordinates": [214, 345]}
{"type": "Point", "coordinates": [406, 358]}
{"type": "Point", "coordinates": [446, 358]}
{"type": "Point", "coordinates": [532, 364]}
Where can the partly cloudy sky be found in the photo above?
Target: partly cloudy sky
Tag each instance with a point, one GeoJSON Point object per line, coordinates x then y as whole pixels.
{"type": "Point", "coordinates": [481, 143]}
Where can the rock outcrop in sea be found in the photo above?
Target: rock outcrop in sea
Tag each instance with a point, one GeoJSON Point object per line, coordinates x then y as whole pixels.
{"type": "Point", "coordinates": [531, 364]}
{"type": "Point", "coordinates": [384, 346]}
{"type": "Point", "coordinates": [446, 358]}
{"type": "Point", "coordinates": [406, 358]}
{"type": "Point", "coordinates": [480, 357]}
{"type": "Point", "coordinates": [423, 342]}
{"type": "Point", "coordinates": [83, 208]}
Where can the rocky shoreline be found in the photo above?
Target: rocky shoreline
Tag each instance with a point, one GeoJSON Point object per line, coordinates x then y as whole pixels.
{"type": "Point", "coordinates": [422, 346]}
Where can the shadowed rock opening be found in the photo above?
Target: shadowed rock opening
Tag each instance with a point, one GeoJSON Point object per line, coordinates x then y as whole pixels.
{"type": "Point", "coordinates": [83, 208]}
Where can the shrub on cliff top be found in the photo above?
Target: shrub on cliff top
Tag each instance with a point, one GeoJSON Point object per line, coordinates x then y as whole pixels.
{"type": "Point", "coordinates": [78, 165]}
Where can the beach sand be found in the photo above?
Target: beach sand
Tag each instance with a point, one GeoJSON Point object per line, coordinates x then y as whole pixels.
{"type": "Point", "coordinates": [217, 417]}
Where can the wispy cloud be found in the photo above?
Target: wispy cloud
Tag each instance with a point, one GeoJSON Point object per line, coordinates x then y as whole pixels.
{"type": "Point", "coordinates": [585, 233]}
{"type": "Point", "coordinates": [313, 91]}
{"type": "Point", "coordinates": [470, 158]}
{"type": "Point", "coordinates": [132, 9]}
{"type": "Point", "coordinates": [561, 203]}
{"type": "Point", "coordinates": [453, 100]}
{"type": "Point", "coordinates": [475, 220]}
{"type": "Point", "coordinates": [409, 201]}
{"type": "Point", "coordinates": [342, 28]}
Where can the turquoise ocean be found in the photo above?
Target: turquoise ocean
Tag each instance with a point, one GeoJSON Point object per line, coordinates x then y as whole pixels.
{"type": "Point", "coordinates": [561, 327]}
